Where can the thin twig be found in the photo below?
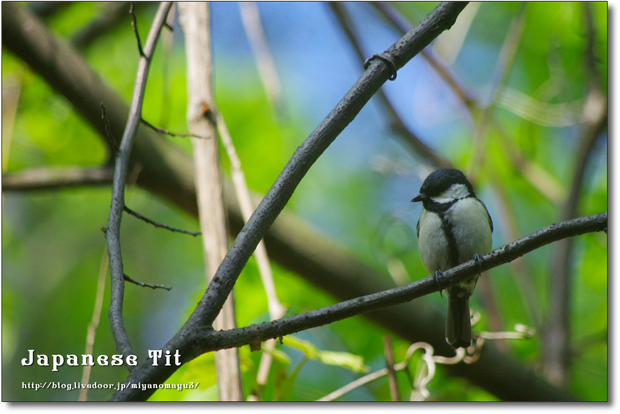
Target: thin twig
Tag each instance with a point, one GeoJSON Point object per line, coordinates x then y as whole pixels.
{"type": "Point", "coordinates": [94, 323]}
{"type": "Point", "coordinates": [391, 373]}
{"type": "Point", "coordinates": [262, 55]}
{"type": "Point", "coordinates": [396, 123]}
{"type": "Point", "coordinates": [443, 72]}
{"type": "Point", "coordinates": [56, 177]}
{"type": "Point", "coordinates": [276, 310]}
{"type": "Point", "coordinates": [118, 189]}
{"type": "Point", "coordinates": [355, 384]}
{"type": "Point", "coordinates": [11, 90]}
{"type": "Point", "coordinates": [134, 24]}
{"type": "Point", "coordinates": [135, 282]}
{"type": "Point", "coordinates": [174, 134]}
{"type": "Point", "coordinates": [505, 60]}
{"type": "Point", "coordinates": [196, 24]}
{"type": "Point", "coordinates": [160, 225]}
{"type": "Point", "coordinates": [242, 192]}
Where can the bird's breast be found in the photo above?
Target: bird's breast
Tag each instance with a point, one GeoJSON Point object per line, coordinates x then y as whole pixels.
{"type": "Point", "coordinates": [470, 228]}
{"type": "Point", "coordinates": [466, 222]}
{"type": "Point", "coordinates": [432, 243]}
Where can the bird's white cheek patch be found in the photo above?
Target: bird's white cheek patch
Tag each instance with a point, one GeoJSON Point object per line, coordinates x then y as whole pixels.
{"type": "Point", "coordinates": [455, 191]}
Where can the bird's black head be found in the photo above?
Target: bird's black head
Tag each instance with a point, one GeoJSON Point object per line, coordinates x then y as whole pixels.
{"type": "Point", "coordinates": [439, 181]}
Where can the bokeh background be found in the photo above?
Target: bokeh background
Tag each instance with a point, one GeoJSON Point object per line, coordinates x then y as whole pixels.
{"type": "Point", "coordinates": [517, 130]}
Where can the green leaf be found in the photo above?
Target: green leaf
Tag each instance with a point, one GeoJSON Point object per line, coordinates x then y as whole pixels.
{"type": "Point", "coordinates": [346, 360]}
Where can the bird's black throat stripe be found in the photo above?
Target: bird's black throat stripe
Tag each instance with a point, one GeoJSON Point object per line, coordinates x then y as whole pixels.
{"type": "Point", "coordinates": [441, 209]}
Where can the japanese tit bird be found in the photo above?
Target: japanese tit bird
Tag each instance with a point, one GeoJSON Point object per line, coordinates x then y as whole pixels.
{"type": "Point", "coordinates": [454, 227]}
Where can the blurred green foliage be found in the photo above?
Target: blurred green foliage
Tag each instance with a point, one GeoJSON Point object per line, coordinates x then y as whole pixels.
{"type": "Point", "coordinates": [52, 245]}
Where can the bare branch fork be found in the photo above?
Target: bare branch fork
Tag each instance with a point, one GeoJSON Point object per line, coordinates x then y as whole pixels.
{"type": "Point", "coordinates": [134, 24]}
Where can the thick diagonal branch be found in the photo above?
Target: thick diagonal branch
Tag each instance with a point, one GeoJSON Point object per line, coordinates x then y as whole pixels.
{"type": "Point", "coordinates": [440, 19]}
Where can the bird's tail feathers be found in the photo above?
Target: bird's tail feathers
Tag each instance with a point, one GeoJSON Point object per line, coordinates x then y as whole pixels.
{"type": "Point", "coordinates": [458, 322]}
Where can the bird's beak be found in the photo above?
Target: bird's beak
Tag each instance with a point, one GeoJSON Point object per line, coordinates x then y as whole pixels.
{"type": "Point", "coordinates": [419, 197]}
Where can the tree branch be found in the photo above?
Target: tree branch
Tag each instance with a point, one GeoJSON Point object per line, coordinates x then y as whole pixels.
{"type": "Point", "coordinates": [557, 335]}
{"type": "Point", "coordinates": [396, 123]}
{"type": "Point", "coordinates": [56, 177]}
{"type": "Point", "coordinates": [160, 225]}
{"type": "Point", "coordinates": [196, 23]}
{"type": "Point", "coordinates": [262, 56]}
{"type": "Point", "coordinates": [206, 340]}
{"type": "Point", "coordinates": [165, 167]}
{"type": "Point", "coordinates": [108, 19]}
{"type": "Point", "coordinates": [443, 72]}
{"type": "Point", "coordinates": [220, 286]}
{"type": "Point", "coordinates": [118, 189]}
{"type": "Point", "coordinates": [152, 286]}
{"type": "Point", "coordinates": [442, 18]}
{"type": "Point", "coordinates": [275, 308]}
{"type": "Point", "coordinates": [173, 134]}
{"type": "Point", "coordinates": [391, 373]}
{"type": "Point", "coordinates": [504, 65]}
{"type": "Point", "coordinates": [422, 287]}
